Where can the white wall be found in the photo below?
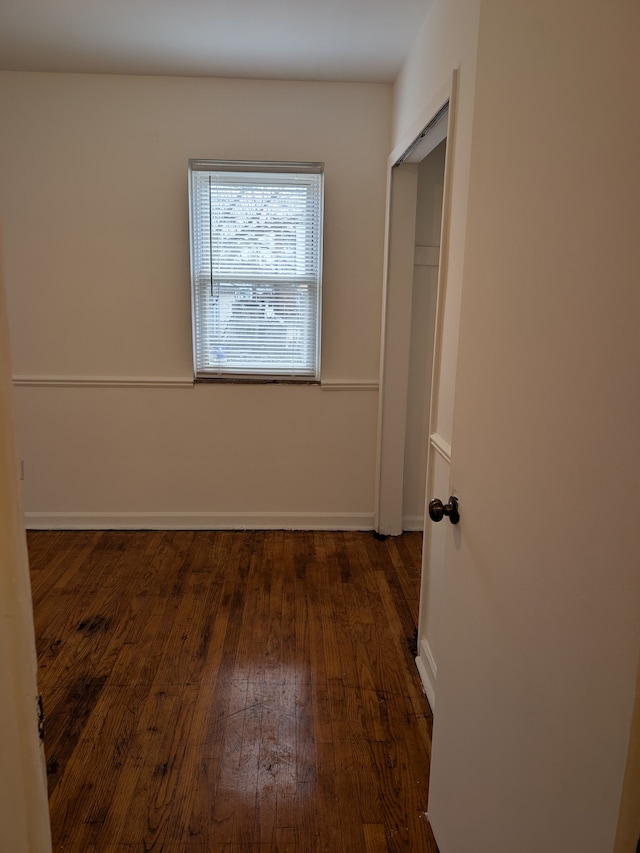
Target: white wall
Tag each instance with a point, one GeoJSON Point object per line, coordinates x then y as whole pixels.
{"type": "Point", "coordinates": [93, 195]}
{"type": "Point", "coordinates": [24, 816]}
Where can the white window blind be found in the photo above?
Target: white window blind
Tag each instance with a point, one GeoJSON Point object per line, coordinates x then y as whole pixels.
{"type": "Point", "coordinates": [256, 258]}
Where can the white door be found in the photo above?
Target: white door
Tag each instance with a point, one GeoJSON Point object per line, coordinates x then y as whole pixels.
{"type": "Point", "coordinates": [24, 815]}
{"type": "Point", "coordinates": [418, 231]}
{"type": "Point", "coordinates": [415, 193]}
{"type": "Point", "coordinates": [440, 422]}
{"type": "Point", "coordinates": [540, 605]}
{"type": "Point", "coordinates": [421, 338]}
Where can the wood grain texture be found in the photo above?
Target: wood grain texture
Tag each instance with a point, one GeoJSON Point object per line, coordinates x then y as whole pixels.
{"type": "Point", "coordinates": [232, 691]}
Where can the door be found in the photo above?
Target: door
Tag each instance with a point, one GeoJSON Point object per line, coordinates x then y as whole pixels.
{"type": "Point", "coordinates": [438, 434]}
{"type": "Point", "coordinates": [24, 815]}
{"type": "Point", "coordinates": [415, 209]}
{"type": "Point", "coordinates": [540, 605]}
{"type": "Point", "coordinates": [418, 236]}
{"type": "Point", "coordinates": [421, 338]}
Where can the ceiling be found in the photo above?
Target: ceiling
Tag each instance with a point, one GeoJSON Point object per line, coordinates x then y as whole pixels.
{"type": "Point", "coordinates": [346, 40]}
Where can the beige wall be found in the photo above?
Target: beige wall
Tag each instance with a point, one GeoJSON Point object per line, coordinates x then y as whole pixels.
{"type": "Point", "coordinates": [93, 195]}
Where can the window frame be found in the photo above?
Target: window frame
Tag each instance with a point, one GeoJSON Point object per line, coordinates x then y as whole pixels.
{"type": "Point", "coordinates": [209, 372]}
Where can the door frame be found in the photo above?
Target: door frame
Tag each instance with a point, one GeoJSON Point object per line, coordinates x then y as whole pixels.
{"type": "Point", "coordinates": [402, 181]}
{"type": "Point", "coordinates": [400, 218]}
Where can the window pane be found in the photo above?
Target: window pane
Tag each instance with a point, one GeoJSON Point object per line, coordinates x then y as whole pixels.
{"type": "Point", "coordinates": [249, 326]}
{"type": "Point", "coordinates": [256, 240]}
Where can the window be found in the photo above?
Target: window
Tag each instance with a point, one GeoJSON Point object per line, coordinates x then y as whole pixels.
{"type": "Point", "coordinates": [256, 257]}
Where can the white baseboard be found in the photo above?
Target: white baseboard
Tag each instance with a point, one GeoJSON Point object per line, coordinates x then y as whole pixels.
{"type": "Point", "coordinates": [198, 521]}
{"type": "Point", "coordinates": [428, 671]}
{"type": "Point", "coordinates": [413, 522]}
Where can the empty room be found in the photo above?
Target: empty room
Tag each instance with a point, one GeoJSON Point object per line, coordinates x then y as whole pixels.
{"type": "Point", "coordinates": [319, 427]}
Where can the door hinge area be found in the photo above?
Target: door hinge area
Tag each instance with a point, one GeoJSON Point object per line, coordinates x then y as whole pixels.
{"type": "Point", "coordinates": [40, 712]}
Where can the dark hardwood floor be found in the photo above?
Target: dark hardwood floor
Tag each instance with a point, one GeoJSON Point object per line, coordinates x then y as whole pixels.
{"type": "Point", "coordinates": [232, 691]}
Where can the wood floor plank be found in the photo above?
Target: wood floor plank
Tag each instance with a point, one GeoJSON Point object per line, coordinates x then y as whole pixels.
{"type": "Point", "coordinates": [232, 691]}
{"type": "Point", "coordinates": [375, 838]}
{"type": "Point", "coordinates": [93, 775]}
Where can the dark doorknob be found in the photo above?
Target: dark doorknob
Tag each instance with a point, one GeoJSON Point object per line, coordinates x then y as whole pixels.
{"type": "Point", "coordinates": [438, 510]}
